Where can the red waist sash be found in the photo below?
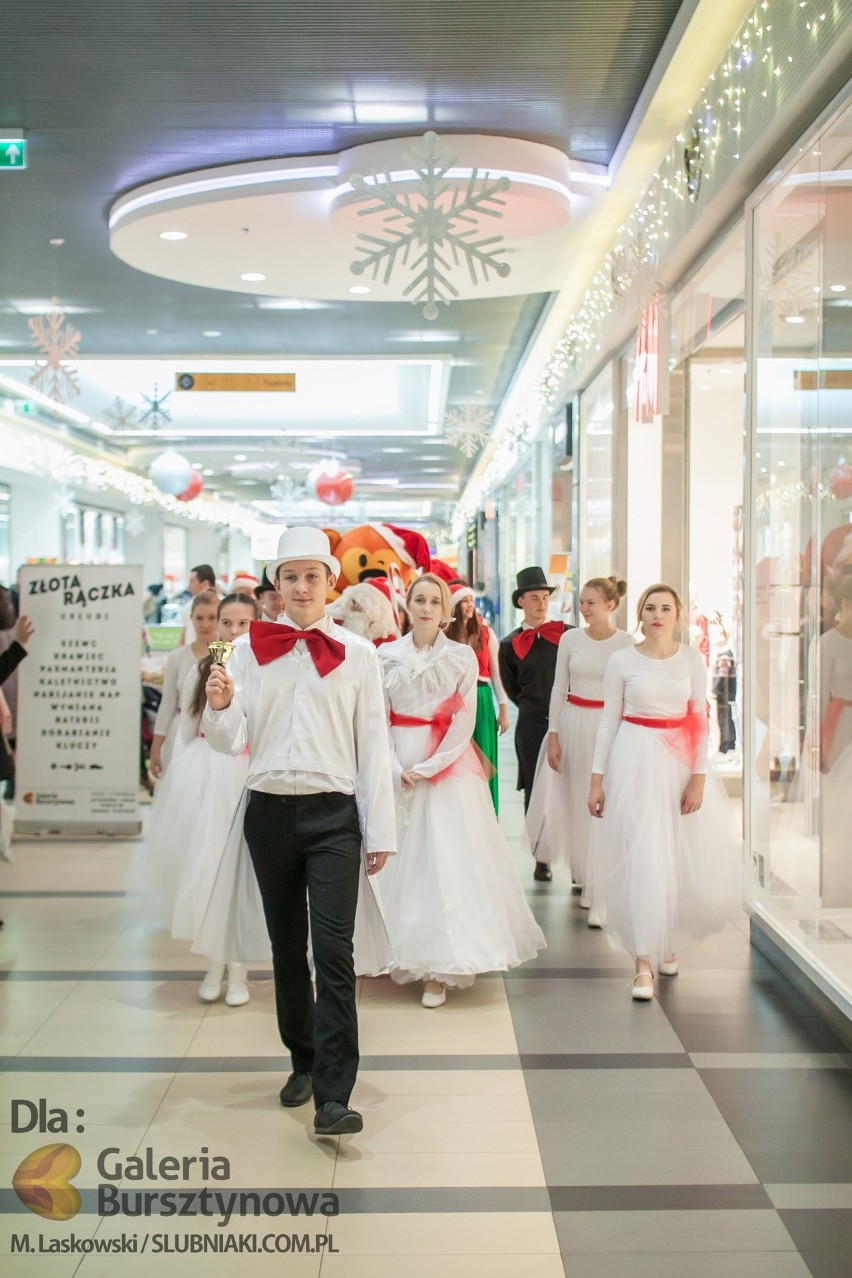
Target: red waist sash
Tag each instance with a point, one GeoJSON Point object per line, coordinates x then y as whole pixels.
{"type": "Point", "coordinates": [470, 762]}
{"type": "Point", "coordinates": [685, 732]}
{"type": "Point", "coordinates": [584, 702]}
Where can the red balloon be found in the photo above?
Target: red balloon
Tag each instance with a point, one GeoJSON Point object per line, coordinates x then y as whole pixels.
{"type": "Point", "coordinates": [840, 481]}
{"type": "Point", "coordinates": [332, 487]}
{"type": "Point", "coordinates": [193, 488]}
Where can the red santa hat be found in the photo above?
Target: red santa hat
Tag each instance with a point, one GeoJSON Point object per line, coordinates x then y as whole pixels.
{"type": "Point", "coordinates": [411, 546]}
{"type": "Point", "coordinates": [442, 570]}
{"type": "Point", "coordinates": [460, 590]}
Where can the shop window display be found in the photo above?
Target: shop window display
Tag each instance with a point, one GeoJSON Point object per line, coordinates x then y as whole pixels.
{"type": "Point", "coordinates": [801, 548]}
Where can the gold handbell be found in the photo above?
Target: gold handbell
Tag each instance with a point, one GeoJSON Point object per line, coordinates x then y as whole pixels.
{"type": "Point", "coordinates": [220, 650]}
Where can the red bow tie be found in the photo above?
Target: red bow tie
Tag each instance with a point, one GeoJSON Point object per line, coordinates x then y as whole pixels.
{"type": "Point", "coordinates": [270, 640]}
{"type": "Point", "coordinates": [552, 631]}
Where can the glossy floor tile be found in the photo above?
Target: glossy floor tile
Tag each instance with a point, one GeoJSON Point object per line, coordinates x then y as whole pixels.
{"type": "Point", "coordinates": [539, 1125]}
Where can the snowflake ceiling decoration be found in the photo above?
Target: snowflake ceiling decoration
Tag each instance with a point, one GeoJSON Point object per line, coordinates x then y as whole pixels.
{"type": "Point", "coordinates": [120, 413]}
{"type": "Point", "coordinates": [431, 226]}
{"type": "Point", "coordinates": [134, 523]}
{"type": "Point", "coordinates": [466, 428]}
{"type": "Point", "coordinates": [156, 413]}
{"type": "Point", "coordinates": [56, 340]}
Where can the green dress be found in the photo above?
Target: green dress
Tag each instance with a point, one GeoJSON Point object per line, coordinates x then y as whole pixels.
{"type": "Point", "coordinates": [485, 730]}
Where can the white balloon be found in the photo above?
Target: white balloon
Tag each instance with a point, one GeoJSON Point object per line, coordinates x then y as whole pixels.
{"type": "Point", "coordinates": [170, 472]}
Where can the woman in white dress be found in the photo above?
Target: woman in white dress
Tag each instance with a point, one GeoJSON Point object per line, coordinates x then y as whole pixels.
{"type": "Point", "coordinates": [558, 824]}
{"type": "Point", "coordinates": [452, 896]}
{"type": "Point", "coordinates": [665, 854]}
{"type": "Point", "coordinates": [834, 658]}
{"type": "Point", "coordinates": [179, 663]}
{"type": "Point", "coordinates": [192, 814]}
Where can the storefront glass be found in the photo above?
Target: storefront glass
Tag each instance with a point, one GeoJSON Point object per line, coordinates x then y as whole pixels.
{"type": "Point", "coordinates": [800, 664]}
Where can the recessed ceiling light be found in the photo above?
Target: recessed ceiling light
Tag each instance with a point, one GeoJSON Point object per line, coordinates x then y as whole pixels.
{"type": "Point", "coordinates": [211, 332]}
{"type": "Point", "coordinates": [207, 472]}
{"type": "Point", "coordinates": [57, 241]}
{"type": "Point", "coordinates": [197, 465]}
{"type": "Point", "coordinates": [838, 288]}
{"type": "Point", "coordinates": [174, 235]}
{"type": "Point", "coordinates": [393, 450]}
{"type": "Point", "coordinates": [434, 470]}
{"type": "Point", "coordinates": [152, 332]}
{"type": "Point", "coordinates": [793, 319]}
{"type": "Point", "coordinates": [359, 288]}
{"type": "Point", "coordinates": [252, 276]}
{"type": "Point", "coordinates": [239, 456]}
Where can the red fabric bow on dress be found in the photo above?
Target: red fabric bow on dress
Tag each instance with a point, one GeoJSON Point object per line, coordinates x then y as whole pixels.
{"type": "Point", "coordinates": [471, 760]}
{"type": "Point", "coordinates": [270, 640]}
{"type": "Point", "coordinates": [552, 631]}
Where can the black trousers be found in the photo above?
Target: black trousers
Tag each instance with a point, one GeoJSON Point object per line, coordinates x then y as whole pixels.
{"type": "Point", "coordinates": [530, 731]}
{"type": "Point", "coordinates": [306, 853]}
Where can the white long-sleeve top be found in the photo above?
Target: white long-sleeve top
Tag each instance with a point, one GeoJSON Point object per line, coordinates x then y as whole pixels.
{"type": "Point", "coordinates": [417, 680]}
{"type": "Point", "coordinates": [178, 664]}
{"type": "Point", "coordinates": [309, 735]}
{"type": "Point", "coordinates": [649, 689]}
{"type": "Point", "coordinates": [835, 658]}
{"type": "Point", "coordinates": [580, 666]}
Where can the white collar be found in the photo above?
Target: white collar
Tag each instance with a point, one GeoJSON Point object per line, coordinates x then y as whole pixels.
{"type": "Point", "coordinates": [322, 623]}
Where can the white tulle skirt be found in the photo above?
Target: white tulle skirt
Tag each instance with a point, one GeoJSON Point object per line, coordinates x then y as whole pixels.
{"type": "Point", "coordinates": [557, 824]}
{"type": "Point", "coordinates": [836, 876]}
{"type": "Point", "coordinates": [658, 876]}
{"type": "Point", "coordinates": [453, 900]}
{"type": "Point", "coordinates": [233, 926]}
{"type": "Point", "coordinates": [190, 818]}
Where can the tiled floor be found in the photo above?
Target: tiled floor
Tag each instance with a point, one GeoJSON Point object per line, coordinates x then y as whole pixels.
{"type": "Point", "coordinates": [538, 1125]}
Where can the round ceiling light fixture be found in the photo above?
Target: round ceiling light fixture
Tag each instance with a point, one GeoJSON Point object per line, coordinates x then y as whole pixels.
{"type": "Point", "coordinates": [252, 277]}
{"type": "Point", "coordinates": [174, 235]}
{"type": "Point", "coordinates": [359, 288]}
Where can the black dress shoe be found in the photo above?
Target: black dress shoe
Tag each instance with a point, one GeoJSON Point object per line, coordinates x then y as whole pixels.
{"type": "Point", "coordinates": [542, 872]}
{"type": "Point", "coordinates": [298, 1090]}
{"type": "Point", "coordinates": [336, 1119]}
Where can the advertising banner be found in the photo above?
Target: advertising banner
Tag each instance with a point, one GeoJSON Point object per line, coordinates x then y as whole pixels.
{"type": "Point", "coordinates": [79, 700]}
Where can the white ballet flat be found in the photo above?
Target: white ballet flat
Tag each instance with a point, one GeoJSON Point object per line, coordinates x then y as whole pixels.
{"type": "Point", "coordinates": [434, 1000]}
{"type": "Point", "coordinates": [211, 987]}
{"type": "Point", "coordinates": [642, 993]}
{"type": "Point", "coordinates": [584, 903]}
{"type": "Point", "coordinates": [668, 969]}
{"type": "Point", "coordinates": [237, 992]}
{"type": "Point", "coordinates": [594, 919]}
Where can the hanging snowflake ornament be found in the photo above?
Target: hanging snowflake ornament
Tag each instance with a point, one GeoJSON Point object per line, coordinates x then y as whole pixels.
{"type": "Point", "coordinates": [430, 225]}
{"type": "Point", "coordinates": [156, 413]}
{"type": "Point", "coordinates": [120, 413]}
{"type": "Point", "coordinates": [57, 340]}
{"type": "Point", "coordinates": [466, 428]}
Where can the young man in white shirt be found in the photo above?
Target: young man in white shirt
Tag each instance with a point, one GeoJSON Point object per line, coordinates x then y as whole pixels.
{"type": "Point", "coordinates": [306, 697]}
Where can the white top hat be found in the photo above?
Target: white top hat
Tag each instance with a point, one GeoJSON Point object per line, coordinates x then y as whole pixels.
{"type": "Point", "coordinates": [303, 543]}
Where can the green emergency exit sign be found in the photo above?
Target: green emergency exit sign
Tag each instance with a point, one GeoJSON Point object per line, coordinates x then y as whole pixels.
{"type": "Point", "coordinates": [13, 153]}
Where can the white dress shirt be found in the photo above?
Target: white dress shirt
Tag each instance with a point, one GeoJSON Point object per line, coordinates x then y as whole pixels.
{"type": "Point", "coordinates": [312, 735]}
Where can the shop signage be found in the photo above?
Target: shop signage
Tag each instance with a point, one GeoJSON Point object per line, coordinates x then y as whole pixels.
{"type": "Point", "coordinates": [235, 381]}
{"type": "Point", "coordinates": [79, 700]}
{"type": "Point", "coordinates": [13, 153]}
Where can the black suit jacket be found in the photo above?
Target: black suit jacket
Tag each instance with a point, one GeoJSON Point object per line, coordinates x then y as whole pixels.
{"type": "Point", "coordinates": [528, 685]}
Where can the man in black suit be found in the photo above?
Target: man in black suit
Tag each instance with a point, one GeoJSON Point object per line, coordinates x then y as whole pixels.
{"type": "Point", "coordinates": [528, 668]}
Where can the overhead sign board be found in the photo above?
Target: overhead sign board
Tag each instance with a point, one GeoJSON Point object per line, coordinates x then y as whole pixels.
{"type": "Point", "coordinates": [13, 153]}
{"type": "Point", "coordinates": [235, 381]}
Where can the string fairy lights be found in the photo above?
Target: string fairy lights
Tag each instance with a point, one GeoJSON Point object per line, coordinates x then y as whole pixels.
{"type": "Point", "coordinates": [778, 45]}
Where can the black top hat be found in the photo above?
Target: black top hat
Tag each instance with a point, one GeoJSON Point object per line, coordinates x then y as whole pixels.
{"type": "Point", "coordinates": [530, 579]}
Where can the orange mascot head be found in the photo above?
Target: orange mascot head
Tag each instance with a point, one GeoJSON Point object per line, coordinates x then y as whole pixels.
{"type": "Point", "coordinates": [369, 550]}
